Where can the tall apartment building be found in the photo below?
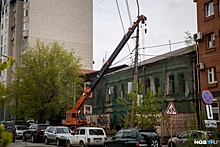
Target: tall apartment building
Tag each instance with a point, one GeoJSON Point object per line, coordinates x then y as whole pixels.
{"type": "Point", "coordinates": [70, 22]}
{"type": "Point", "coordinates": [66, 21]}
{"type": "Point", "coordinates": [208, 18]}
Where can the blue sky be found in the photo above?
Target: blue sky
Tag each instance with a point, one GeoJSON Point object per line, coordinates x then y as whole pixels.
{"type": "Point", "coordinates": [167, 20]}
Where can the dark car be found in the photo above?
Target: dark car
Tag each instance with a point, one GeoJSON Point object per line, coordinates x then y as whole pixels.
{"type": "Point", "coordinates": [134, 137]}
{"type": "Point", "coordinates": [35, 132]}
{"type": "Point", "coordinates": [58, 134]}
{"type": "Point", "coordinates": [9, 127]}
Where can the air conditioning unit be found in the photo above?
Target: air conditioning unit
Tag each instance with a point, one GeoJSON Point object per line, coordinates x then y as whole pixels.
{"type": "Point", "coordinates": [200, 66]}
{"type": "Point", "coordinates": [198, 36]}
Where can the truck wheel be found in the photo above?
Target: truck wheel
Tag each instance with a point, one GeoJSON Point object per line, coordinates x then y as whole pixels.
{"type": "Point", "coordinates": [33, 139]}
{"type": "Point", "coordinates": [81, 144]}
{"type": "Point", "coordinates": [58, 142]}
{"type": "Point", "coordinates": [68, 144]}
{"type": "Point", "coordinates": [46, 141]}
{"type": "Point", "coordinates": [154, 143]}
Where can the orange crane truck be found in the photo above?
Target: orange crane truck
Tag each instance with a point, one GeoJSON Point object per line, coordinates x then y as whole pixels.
{"type": "Point", "coordinates": [73, 116]}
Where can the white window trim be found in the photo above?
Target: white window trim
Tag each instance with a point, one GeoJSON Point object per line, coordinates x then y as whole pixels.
{"type": "Point", "coordinates": [210, 43]}
{"type": "Point", "coordinates": [216, 108]}
{"type": "Point", "coordinates": [212, 74]}
{"type": "Point", "coordinates": [25, 26]}
{"type": "Point", "coordinates": [209, 9]}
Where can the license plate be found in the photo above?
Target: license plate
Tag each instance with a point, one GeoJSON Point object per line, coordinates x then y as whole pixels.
{"type": "Point", "coordinates": [97, 139]}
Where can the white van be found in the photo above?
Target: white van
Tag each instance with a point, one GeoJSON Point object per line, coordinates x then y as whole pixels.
{"type": "Point", "coordinates": [87, 136]}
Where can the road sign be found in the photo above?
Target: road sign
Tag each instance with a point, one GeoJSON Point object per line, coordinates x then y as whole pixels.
{"type": "Point", "coordinates": [207, 97]}
{"type": "Point", "coordinates": [209, 111]}
{"type": "Point", "coordinates": [171, 110]}
{"type": "Point", "coordinates": [210, 123]}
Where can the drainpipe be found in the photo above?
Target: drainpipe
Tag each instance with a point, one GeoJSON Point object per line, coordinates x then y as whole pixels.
{"type": "Point", "coordinates": [198, 93]}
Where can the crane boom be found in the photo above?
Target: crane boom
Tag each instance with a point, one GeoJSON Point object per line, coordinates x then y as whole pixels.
{"type": "Point", "coordinates": [72, 114]}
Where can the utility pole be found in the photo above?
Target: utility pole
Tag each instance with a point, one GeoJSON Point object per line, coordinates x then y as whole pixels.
{"type": "Point", "coordinates": [135, 88]}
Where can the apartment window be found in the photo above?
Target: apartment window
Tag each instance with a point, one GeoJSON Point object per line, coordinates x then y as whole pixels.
{"type": "Point", "coordinates": [109, 94]}
{"type": "Point", "coordinates": [122, 91]}
{"type": "Point", "coordinates": [157, 84]}
{"type": "Point", "coordinates": [25, 12]}
{"type": "Point", "coordinates": [25, 26]}
{"type": "Point", "coordinates": [5, 35]}
{"type": "Point", "coordinates": [212, 75]}
{"type": "Point", "coordinates": [209, 9]}
{"type": "Point", "coordinates": [181, 84]}
{"type": "Point", "coordinates": [171, 84]}
{"type": "Point", "coordinates": [210, 40]}
{"type": "Point", "coordinates": [147, 83]}
{"type": "Point", "coordinates": [215, 109]}
{"type": "Point", "coordinates": [1, 52]}
{"type": "Point", "coordinates": [218, 5]}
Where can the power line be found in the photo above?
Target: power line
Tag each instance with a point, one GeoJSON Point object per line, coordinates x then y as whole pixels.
{"type": "Point", "coordinates": [155, 46]}
{"type": "Point", "coordinates": [162, 45]}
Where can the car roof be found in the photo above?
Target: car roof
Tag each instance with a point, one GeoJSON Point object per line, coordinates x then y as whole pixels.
{"type": "Point", "coordinates": [139, 129]}
{"type": "Point", "coordinates": [90, 128]}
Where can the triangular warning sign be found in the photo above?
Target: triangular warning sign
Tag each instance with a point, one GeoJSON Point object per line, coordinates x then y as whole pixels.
{"type": "Point", "coordinates": [171, 110]}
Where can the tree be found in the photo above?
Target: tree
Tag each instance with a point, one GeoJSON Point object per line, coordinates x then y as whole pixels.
{"type": "Point", "coordinates": [3, 66]}
{"type": "Point", "coordinates": [6, 64]}
{"type": "Point", "coordinates": [5, 137]}
{"type": "Point", "coordinates": [147, 109]}
{"type": "Point", "coordinates": [48, 81]}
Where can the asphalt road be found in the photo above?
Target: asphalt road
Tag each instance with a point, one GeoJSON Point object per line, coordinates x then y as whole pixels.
{"type": "Point", "coordinates": [20, 143]}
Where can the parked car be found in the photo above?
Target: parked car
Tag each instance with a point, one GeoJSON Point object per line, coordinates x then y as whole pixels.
{"type": "Point", "coordinates": [35, 132]}
{"type": "Point", "coordinates": [182, 139]}
{"type": "Point", "coordinates": [134, 137]}
{"type": "Point", "coordinates": [87, 136]}
{"type": "Point", "coordinates": [9, 127]}
{"type": "Point", "coordinates": [58, 134]}
{"type": "Point", "coordinates": [19, 131]}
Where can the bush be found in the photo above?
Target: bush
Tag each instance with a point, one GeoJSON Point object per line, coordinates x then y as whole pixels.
{"type": "Point", "coordinates": [5, 137]}
{"type": "Point", "coordinates": [112, 132]}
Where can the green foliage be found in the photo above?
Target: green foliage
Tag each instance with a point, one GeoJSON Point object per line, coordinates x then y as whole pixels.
{"type": "Point", "coordinates": [112, 132]}
{"type": "Point", "coordinates": [147, 109]}
{"type": "Point", "coordinates": [48, 81]}
{"type": "Point", "coordinates": [189, 41]}
{"type": "Point", "coordinates": [5, 137]}
{"type": "Point", "coordinates": [7, 64]}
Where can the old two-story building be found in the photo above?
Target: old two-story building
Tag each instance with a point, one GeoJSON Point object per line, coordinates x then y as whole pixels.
{"type": "Point", "coordinates": [208, 45]}
{"type": "Point", "coordinates": [173, 72]}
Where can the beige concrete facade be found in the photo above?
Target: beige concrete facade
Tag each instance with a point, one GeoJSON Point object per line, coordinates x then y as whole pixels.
{"type": "Point", "coordinates": [70, 22]}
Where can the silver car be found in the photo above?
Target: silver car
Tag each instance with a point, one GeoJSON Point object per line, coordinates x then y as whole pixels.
{"type": "Point", "coordinates": [182, 139]}
{"type": "Point", "coordinates": [57, 134]}
{"type": "Point", "coordinates": [19, 131]}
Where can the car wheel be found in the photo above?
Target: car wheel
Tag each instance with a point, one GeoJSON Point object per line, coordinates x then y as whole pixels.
{"type": "Point", "coordinates": [46, 140]}
{"type": "Point", "coordinates": [58, 142]}
{"type": "Point", "coordinates": [68, 144]}
{"type": "Point", "coordinates": [154, 143]}
{"type": "Point", "coordinates": [81, 144]}
{"type": "Point", "coordinates": [173, 145]}
{"type": "Point", "coordinates": [32, 139]}
{"type": "Point", "coordinates": [24, 138]}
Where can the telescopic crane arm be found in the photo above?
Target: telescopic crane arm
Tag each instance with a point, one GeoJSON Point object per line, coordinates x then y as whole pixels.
{"type": "Point", "coordinates": [78, 106]}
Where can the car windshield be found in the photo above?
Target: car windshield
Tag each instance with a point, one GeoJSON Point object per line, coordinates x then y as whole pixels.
{"type": "Point", "coordinates": [21, 127]}
{"type": "Point", "coordinates": [96, 132]}
{"type": "Point", "coordinates": [63, 130]}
